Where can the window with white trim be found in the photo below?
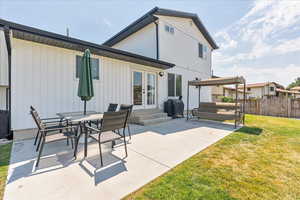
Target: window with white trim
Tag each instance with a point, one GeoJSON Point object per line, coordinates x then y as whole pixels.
{"type": "Point", "coordinates": [202, 51]}
{"type": "Point", "coordinates": [174, 85]}
{"type": "Point", "coordinates": [95, 67]}
{"type": "Point", "coordinates": [169, 29]}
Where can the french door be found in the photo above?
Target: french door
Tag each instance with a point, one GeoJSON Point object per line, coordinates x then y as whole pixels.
{"type": "Point", "coordinates": [144, 91]}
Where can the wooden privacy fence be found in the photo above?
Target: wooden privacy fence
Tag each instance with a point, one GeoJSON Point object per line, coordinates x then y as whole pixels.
{"type": "Point", "coordinates": [274, 106]}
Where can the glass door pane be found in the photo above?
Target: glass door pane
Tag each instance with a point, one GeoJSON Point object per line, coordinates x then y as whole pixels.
{"type": "Point", "coordinates": [151, 89]}
{"type": "Point", "coordinates": [137, 88]}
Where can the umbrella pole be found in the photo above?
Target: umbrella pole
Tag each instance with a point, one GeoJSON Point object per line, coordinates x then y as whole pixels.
{"type": "Point", "coordinates": [84, 111]}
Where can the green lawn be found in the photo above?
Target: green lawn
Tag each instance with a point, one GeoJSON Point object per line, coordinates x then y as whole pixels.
{"type": "Point", "coordinates": [260, 161]}
{"type": "Point", "coordinates": [4, 161]}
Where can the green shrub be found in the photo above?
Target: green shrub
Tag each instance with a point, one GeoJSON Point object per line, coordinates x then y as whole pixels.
{"type": "Point", "coordinates": [227, 99]}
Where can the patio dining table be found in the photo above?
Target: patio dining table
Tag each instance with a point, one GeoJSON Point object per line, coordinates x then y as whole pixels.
{"type": "Point", "coordinates": [79, 118]}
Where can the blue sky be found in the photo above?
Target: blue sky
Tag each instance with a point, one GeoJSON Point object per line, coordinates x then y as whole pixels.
{"type": "Point", "coordinates": [258, 39]}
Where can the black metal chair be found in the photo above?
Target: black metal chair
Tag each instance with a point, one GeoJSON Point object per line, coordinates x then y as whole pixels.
{"type": "Point", "coordinates": [57, 133]}
{"type": "Point", "coordinates": [129, 109]}
{"type": "Point", "coordinates": [111, 121]}
{"type": "Point", "coordinates": [112, 107]}
{"type": "Point", "coordinates": [50, 123]}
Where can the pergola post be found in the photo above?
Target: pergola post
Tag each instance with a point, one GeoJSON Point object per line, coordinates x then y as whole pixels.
{"type": "Point", "coordinates": [236, 101]}
{"type": "Point", "coordinates": [199, 97]}
{"type": "Point", "coordinates": [188, 101]}
{"type": "Point", "coordinates": [244, 103]}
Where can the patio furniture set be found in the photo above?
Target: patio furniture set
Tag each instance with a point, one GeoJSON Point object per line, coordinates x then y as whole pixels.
{"type": "Point", "coordinates": [103, 128]}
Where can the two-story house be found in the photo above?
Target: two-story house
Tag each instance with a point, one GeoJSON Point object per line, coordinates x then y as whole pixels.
{"type": "Point", "coordinates": [173, 36]}
{"type": "Point", "coordinates": [148, 62]}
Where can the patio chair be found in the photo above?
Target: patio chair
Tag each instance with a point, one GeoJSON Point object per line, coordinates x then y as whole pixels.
{"type": "Point", "coordinates": [112, 107]}
{"type": "Point", "coordinates": [67, 132]}
{"type": "Point", "coordinates": [53, 122]}
{"type": "Point", "coordinates": [111, 121]}
{"type": "Point", "coordinates": [129, 109]}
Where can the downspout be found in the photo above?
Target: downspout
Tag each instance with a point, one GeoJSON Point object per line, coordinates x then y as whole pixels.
{"type": "Point", "coordinates": [8, 45]}
{"type": "Point", "coordinates": [157, 40]}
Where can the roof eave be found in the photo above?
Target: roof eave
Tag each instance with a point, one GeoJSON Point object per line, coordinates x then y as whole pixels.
{"type": "Point", "coordinates": [45, 37]}
{"type": "Point", "coordinates": [129, 30]}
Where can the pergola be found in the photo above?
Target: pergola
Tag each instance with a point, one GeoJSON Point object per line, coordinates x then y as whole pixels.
{"type": "Point", "coordinates": [219, 81]}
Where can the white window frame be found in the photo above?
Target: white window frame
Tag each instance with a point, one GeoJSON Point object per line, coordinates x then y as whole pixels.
{"type": "Point", "coordinates": [169, 29]}
{"type": "Point", "coordinates": [204, 51]}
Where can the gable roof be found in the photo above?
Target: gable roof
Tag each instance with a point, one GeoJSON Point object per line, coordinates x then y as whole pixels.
{"type": "Point", "coordinates": [40, 36]}
{"type": "Point", "coordinates": [149, 18]}
{"type": "Point", "coordinates": [255, 85]}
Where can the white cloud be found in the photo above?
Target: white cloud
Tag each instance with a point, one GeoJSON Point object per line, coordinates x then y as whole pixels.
{"type": "Point", "coordinates": [269, 29]}
{"type": "Point", "coordinates": [228, 42]}
{"type": "Point", "coordinates": [262, 26]}
{"type": "Point", "coordinates": [288, 46]}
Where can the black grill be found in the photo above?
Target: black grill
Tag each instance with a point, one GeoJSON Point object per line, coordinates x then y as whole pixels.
{"type": "Point", "coordinates": [174, 107]}
{"type": "Point", "coordinates": [3, 124]}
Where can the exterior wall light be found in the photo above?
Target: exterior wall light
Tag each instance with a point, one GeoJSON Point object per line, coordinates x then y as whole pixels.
{"type": "Point", "coordinates": [161, 74]}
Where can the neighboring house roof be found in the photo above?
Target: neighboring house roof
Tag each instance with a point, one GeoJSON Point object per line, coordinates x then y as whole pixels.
{"type": "Point", "coordinates": [295, 88]}
{"type": "Point", "coordinates": [254, 85]}
{"type": "Point", "coordinates": [287, 91]}
{"type": "Point", "coordinates": [37, 35]}
{"type": "Point", "coordinates": [149, 18]}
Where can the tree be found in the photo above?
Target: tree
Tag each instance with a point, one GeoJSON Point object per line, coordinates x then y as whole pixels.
{"type": "Point", "coordinates": [295, 83]}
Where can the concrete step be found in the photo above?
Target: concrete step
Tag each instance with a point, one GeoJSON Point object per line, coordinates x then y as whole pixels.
{"type": "Point", "coordinates": [148, 116]}
{"type": "Point", "coordinates": [154, 121]}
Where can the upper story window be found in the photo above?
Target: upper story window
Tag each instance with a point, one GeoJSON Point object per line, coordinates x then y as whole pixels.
{"type": "Point", "coordinates": [169, 29]}
{"type": "Point", "coordinates": [248, 89]}
{"type": "Point", "coordinates": [272, 89]}
{"type": "Point", "coordinates": [95, 67]}
{"type": "Point", "coordinates": [174, 85]}
{"type": "Point", "coordinates": [202, 51]}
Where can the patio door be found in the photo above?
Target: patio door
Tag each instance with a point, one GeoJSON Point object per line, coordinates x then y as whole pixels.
{"type": "Point", "coordinates": [144, 89]}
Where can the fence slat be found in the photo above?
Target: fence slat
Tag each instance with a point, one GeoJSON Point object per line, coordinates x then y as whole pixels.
{"type": "Point", "coordinates": [274, 106]}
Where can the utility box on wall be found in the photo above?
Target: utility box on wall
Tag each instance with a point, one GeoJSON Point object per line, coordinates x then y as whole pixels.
{"type": "Point", "coordinates": [4, 132]}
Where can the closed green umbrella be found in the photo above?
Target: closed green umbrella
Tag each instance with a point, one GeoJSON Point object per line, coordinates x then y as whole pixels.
{"type": "Point", "coordinates": [85, 87]}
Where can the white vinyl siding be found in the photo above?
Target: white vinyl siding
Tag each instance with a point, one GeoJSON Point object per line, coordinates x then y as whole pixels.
{"type": "Point", "coordinates": [44, 77]}
{"type": "Point", "coordinates": [182, 49]}
{"type": "Point", "coordinates": [143, 42]}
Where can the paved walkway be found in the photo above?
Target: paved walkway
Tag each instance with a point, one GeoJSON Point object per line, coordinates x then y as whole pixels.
{"type": "Point", "coordinates": [152, 151]}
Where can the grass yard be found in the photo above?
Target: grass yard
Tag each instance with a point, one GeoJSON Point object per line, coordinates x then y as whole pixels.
{"type": "Point", "coordinates": [260, 161]}
{"type": "Point", "coordinates": [4, 161]}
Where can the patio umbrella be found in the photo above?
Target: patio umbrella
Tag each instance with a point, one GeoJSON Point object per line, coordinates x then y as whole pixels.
{"type": "Point", "coordinates": [85, 87]}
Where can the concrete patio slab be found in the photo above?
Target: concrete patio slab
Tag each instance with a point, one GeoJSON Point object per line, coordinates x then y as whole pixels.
{"type": "Point", "coordinates": [152, 151]}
